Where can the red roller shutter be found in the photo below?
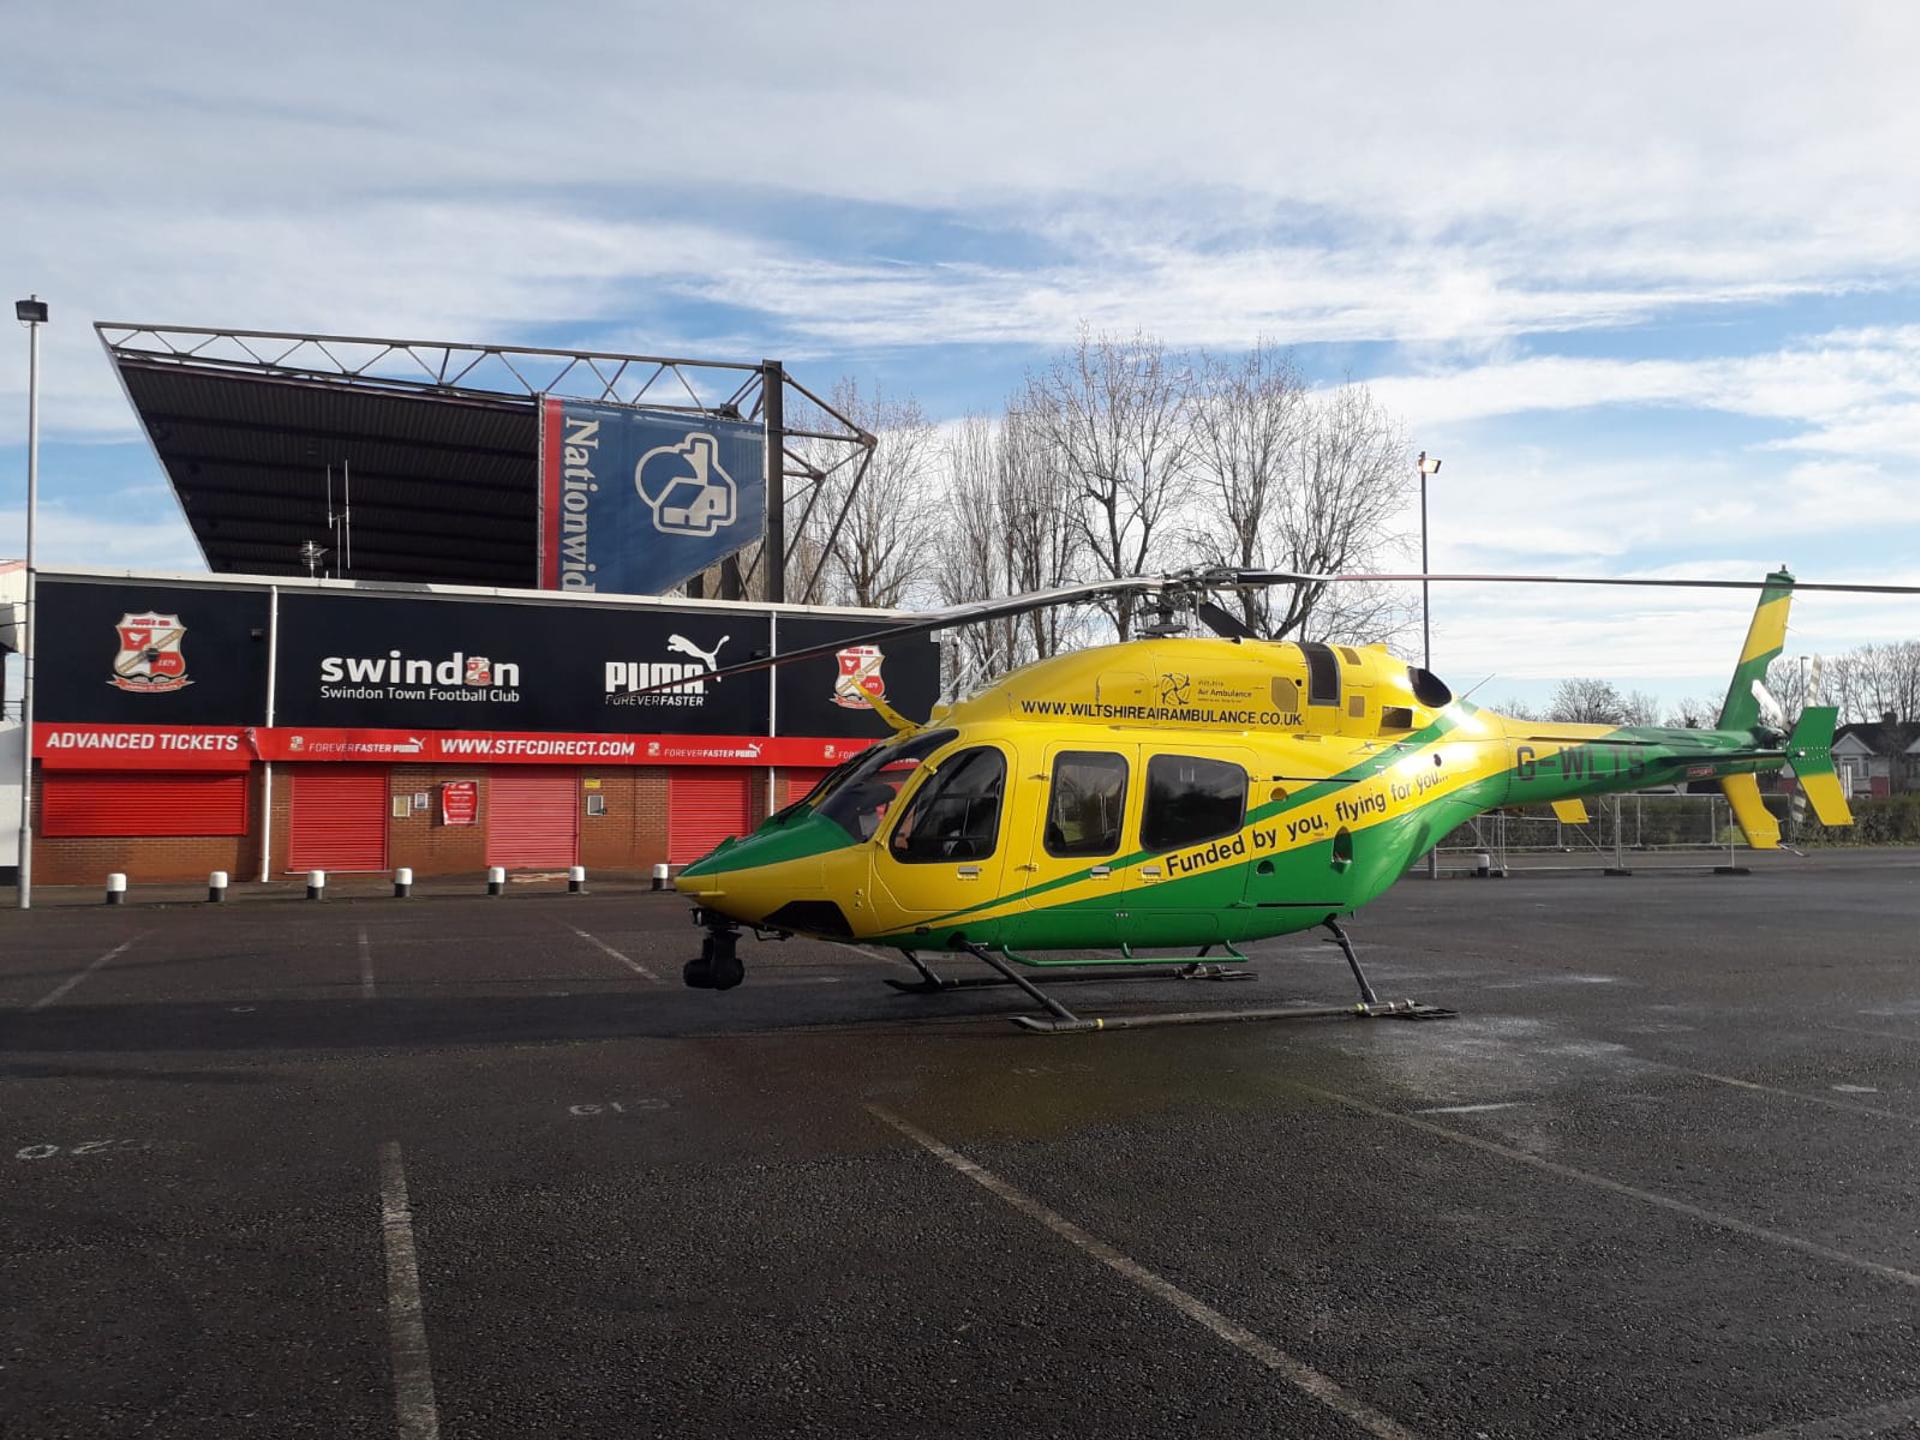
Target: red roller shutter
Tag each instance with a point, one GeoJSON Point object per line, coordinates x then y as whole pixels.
{"type": "Point", "coordinates": [533, 817]}
{"type": "Point", "coordinates": [180, 803]}
{"type": "Point", "coordinates": [338, 819]}
{"type": "Point", "coordinates": [799, 780]}
{"type": "Point", "coordinates": [703, 808]}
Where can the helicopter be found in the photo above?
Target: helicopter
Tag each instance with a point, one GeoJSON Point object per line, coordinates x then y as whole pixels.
{"type": "Point", "coordinates": [1178, 792]}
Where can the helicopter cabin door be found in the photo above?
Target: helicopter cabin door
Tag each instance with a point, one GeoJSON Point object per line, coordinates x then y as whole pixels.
{"type": "Point", "coordinates": [1069, 876]}
{"type": "Point", "coordinates": [1188, 887]}
{"type": "Point", "coordinates": [946, 851]}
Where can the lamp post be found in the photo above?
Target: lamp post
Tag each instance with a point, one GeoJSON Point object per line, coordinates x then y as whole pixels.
{"type": "Point", "coordinates": [32, 313]}
{"type": "Point", "coordinates": [1427, 467]}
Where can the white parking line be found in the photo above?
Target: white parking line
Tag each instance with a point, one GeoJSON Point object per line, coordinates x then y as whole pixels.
{"type": "Point", "coordinates": [1470, 1109]}
{"type": "Point", "coordinates": [870, 954]}
{"type": "Point", "coordinates": [1881, 1034]}
{"type": "Point", "coordinates": [1301, 1375]}
{"type": "Point", "coordinates": [1827, 1100]}
{"type": "Point", "coordinates": [1855, 1425]}
{"type": "Point", "coordinates": [366, 966]}
{"type": "Point", "coordinates": [1601, 1182]}
{"type": "Point", "coordinates": [72, 980]}
{"type": "Point", "coordinates": [631, 964]}
{"type": "Point", "coordinates": [413, 1403]}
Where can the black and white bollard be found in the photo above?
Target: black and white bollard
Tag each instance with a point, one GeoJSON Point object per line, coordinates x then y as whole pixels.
{"type": "Point", "coordinates": [116, 888]}
{"type": "Point", "coordinates": [659, 877]}
{"type": "Point", "coordinates": [576, 879]}
{"type": "Point", "coordinates": [496, 880]}
{"type": "Point", "coordinates": [316, 884]}
{"type": "Point", "coordinates": [402, 883]}
{"type": "Point", "coordinates": [216, 887]}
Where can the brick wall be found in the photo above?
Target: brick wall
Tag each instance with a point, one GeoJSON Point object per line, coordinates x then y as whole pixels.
{"type": "Point", "coordinates": [150, 859]}
{"type": "Point", "coordinates": [629, 839]}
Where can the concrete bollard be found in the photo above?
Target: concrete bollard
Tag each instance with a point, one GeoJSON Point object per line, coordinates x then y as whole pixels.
{"type": "Point", "coordinates": [316, 884]}
{"type": "Point", "coordinates": [659, 877]}
{"type": "Point", "coordinates": [496, 880]}
{"type": "Point", "coordinates": [402, 883]}
{"type": "Point", "coordinates": [576, 879]}
{"type": "Point", "coordinates": [116, 888]}
{"type": "Point", "coordinates": [216, 887]}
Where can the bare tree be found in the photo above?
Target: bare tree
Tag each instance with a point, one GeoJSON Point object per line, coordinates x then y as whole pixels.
{"type": "Point", "coordinates": [1588, 702]}
{"type": "Point", "coordinates": [1249, 420]}
{"type": "Point", "coordinates": [1350, 477]}
{"type": "Point", "coordinates": [1887, 679]}
{"type": "Point", "coordinates": [1114, 413]}
{"type": "Point", "coordinates": [1693, 712]}
{"type": "Point", "coordinates": [1640, 707]}
{"type": "Point", "coordinates": [972, 560]}
{"type": "Point", "coordinates": [887, 526]}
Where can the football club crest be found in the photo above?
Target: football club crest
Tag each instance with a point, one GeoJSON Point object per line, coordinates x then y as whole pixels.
{"type": "Point", "coordinates": [859, 684]}
{"type": "Point", "coordinates": [150, 661]}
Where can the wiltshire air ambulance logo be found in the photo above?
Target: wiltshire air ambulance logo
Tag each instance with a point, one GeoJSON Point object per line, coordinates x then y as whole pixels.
{"type": "Point", "coordinates": [685, 488]}
{"type": "Point", "coordinates": [859, 684]}
{"type": "Point", "coordinates": [150, 662]}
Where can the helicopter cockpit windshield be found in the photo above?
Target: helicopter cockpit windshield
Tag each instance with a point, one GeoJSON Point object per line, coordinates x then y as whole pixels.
{"type": "Point", "coordinates": [859, 802]}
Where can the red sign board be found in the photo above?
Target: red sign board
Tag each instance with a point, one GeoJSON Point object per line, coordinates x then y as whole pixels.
{"type": "Point", "coordinates": [459, 802]}
{"type": "Point", "coordinates": [190, 747]}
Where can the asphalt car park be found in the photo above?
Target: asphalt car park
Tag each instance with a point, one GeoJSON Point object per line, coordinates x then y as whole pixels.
{"type": "Point", "coordinates": [483, 1167]}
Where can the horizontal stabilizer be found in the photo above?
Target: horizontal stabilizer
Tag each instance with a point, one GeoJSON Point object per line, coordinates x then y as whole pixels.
{"type": "Point", "coordinates": [1760, 828]}
{"type": "Point", "coordinates": [1570, 812]}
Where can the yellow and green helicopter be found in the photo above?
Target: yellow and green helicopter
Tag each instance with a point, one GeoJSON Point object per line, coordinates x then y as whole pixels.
{"type": "Point", "coordinates": [1196, 793]}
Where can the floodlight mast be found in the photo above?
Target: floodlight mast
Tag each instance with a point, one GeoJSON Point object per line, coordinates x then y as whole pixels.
{"type": "Point", "coordinates": [32, 313]}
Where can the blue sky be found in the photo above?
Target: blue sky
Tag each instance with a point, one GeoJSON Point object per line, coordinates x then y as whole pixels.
{"type": "Point", "coordinates": [1646, 277]}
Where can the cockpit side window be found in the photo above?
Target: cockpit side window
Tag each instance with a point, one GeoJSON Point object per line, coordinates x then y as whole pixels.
{"type": "Point", "coordinates": [956, 814]}
{"type": "Point", "coordinates": [859, 800]}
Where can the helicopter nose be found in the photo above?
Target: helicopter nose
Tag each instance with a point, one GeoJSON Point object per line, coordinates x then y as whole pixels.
{"type": "Point", "coordinates": [760, 878]}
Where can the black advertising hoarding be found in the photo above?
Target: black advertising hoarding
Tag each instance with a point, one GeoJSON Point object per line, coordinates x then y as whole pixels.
{"type": "Point", "coordinates": [121, 653]}
{"type": "Point", "coordinates": [827, 695]}
{"type": "Point", "coordinates": [380, 661]}
{"type": "Point", "coordinates": [125, 653]}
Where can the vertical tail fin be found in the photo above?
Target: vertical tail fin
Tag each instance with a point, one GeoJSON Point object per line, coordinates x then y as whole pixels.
{"type": "Point", "coordinates": [1766, 638]}
{"type": "Point", "coordinates": [1810, 752]}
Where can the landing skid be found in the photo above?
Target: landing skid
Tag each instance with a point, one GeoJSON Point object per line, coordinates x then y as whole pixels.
{"type": "Point", "coordinates": [1063, 1021]}
{"type": "Point", "coordinates": [934, 984]}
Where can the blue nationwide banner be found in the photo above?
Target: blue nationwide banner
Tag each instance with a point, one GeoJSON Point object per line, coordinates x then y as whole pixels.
{"type": "Point", "coordinates": [635, 501]}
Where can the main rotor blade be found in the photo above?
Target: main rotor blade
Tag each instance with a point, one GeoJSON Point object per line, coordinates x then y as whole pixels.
{"type": "Point", "coordinates": [946, 619]}
{"type": "Point", "coordinates": [1286, 577]}
{"type": "Point", "coordinates": [1225, 623]}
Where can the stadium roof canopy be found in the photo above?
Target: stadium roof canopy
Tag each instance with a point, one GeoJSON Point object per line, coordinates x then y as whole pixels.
{"type": "Point", "coordinates": [405, 460]}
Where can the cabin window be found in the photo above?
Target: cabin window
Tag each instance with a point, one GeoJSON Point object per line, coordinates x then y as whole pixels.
{"type": "Point", "coordinates": [1190, 800]}
{"type": "Point", "coordinates": [1084, 806]}
{"type": "Point", "coordinates": [1323, 673]}
{"type": "Point", "coordinates": [856, 796]}
{"type": "Point", "coordinates": [956, 814]}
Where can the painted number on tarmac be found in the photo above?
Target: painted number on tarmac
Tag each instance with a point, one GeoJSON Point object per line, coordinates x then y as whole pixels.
{"type": "Point", "coordinates": [619, 1107]}
{"type": "Point", "coordinates": [85, 1147]}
